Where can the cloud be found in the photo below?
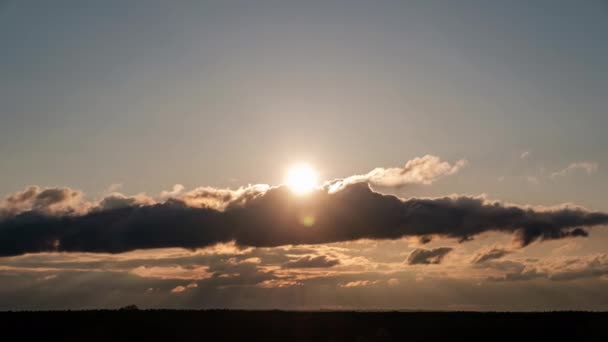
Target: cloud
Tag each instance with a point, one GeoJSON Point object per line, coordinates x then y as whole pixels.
{"type": "Point", "coordinates": [175, 191]}
{"type": "Point", "coordinates": [172, 272]}
{"type": "Point", "coordinates": [311, 262]}
{"type": "Point", "coordinates": [278, 283]}
{"type": "Point", "coordinates": [359, 283]}
{"type": "Point", "coordinates": [554, 269]}
{"type": "Point", "coordinates": [180, 288]}
{"type": "Point", "coordinates": [525, 155]}
{"type": "Point", "coordinates": [114, 187]}
{"type": "Point", "coordinates": [48, 277]}
{"type": "Point", "coordinates": [67, 201]}
{"type": "Point", "coordinates": [588, 166]}
{"type": "Point", "coordinates": [490, 254]}
{"type": "Point", "coordinates": [393, 282]}
{"type": "Point", "coordinates": [581, 268]}
{"type": "Point", "coordinates": [422, 170]}
{"type": "Point", "coordinates": [219, 199]}
{"type": "Point", "coordinates": [117, 200]}
{"type": "Point", "coordinates": [521, 276]}
{"type": "Point", "coordinates": [50, 201]}
{"type": "Point", "coordinates": [428, 256]}
{"type": "Point", "coordinates": [273, 218]}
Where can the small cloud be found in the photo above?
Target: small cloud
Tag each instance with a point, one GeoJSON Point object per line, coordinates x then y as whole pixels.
{"type": "Point", "coordinates": [422, 170]}
{"type": "Point", "coordinates": [359, 283]}
{"type": "Point", "coordinates": [424, 239]}
{"type": "Point", "coordinates": [393, 282]}
{"type": "Point", "coordinates": [428, 256]}
{"type": "Point", "coordinates": [311, 262]}
{"type": "Point", "coordinates": [180, 289]}
{"type": "Point", "coordinates": [278, 283]}
{"type": "Point", "coordinates": [113, 188]}
{"type": "Point", "coordinates": [490, 254]}
{"type": "Point", "coordinates": [525, 155]}
{"type": "Point", "coordinates": [175, 191]}
{"type": "Point", "coordinates": [195, 272]}
{"type": "Point", "coordinates": [48, 277]}
{"type": "Point", "coordinates": [253, 260]}
{"type": "Point", "coordinates": [588, 167]}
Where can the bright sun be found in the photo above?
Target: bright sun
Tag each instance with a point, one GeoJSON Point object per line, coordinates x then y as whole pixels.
{"type": "Point", "coordinates": [302, 179]}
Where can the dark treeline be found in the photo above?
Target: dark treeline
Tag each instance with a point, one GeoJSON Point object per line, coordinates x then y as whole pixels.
{"type": "Point", "coordinates": [213, 325]}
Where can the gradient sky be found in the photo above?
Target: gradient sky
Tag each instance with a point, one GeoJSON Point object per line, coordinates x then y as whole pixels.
{"type": "Point", "coordinates": [136, 96]}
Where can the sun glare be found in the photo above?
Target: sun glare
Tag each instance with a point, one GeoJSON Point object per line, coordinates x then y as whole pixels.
{"type": "Point", "coordinates": [302, 179]}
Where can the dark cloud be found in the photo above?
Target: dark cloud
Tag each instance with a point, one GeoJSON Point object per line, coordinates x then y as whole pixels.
{"type": "Point", "coordinates": [311, 262]}
{"type": "Point", "coordinates": [428, 256]}
{"type": "Point", "coordinates": [425, 239]}
{"type": "Point", "coordinates": [490, 254]}
{"type": "Point", "coordinates": [277, 217]}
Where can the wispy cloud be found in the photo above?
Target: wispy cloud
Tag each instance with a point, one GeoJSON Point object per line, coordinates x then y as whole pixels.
{"type": "Point", "coordinates": [555, 269]}
{"type": "Point", "coordinates": [359, 283]}
{"type": "Point", "coordinates": [588, 167]}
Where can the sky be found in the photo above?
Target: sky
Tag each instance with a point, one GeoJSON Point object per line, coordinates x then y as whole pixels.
{"type": "Point", "coordinates": [459, 148]}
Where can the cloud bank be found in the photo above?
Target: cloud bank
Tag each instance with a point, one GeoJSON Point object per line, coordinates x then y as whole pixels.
{"type": "Point", "coordinates": [275, 216]}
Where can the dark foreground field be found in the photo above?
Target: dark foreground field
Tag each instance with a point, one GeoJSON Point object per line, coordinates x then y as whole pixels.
{"type": "Point", "coordinates": [302, 326]}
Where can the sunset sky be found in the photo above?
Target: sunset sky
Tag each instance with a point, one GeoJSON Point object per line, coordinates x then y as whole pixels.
{"type": "Point", "coordinates": [440, 155]}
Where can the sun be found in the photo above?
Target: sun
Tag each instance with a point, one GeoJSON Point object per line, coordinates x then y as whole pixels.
{"type": "Point", "coordinates": [301, 178]}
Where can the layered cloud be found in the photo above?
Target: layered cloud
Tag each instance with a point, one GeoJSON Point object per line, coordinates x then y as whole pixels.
{"type": "Point", "coordinates": [556, 269]}
{"type": "Point", "coordinates": [226, 276]}
{"type": "Point", "coordinates": [275, 217]}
